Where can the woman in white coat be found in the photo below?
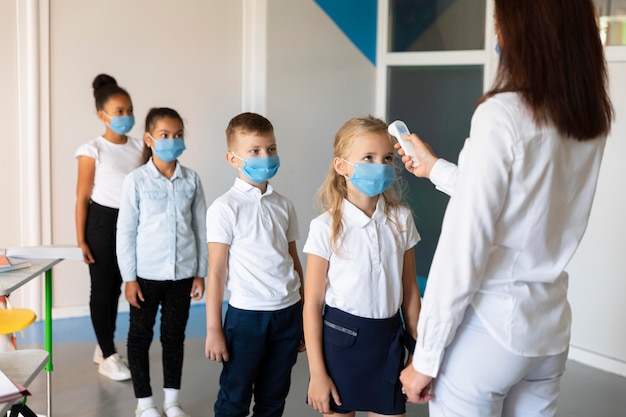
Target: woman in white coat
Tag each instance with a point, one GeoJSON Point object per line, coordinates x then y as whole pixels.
{"type": "Point", "coordinates": [494, 328]}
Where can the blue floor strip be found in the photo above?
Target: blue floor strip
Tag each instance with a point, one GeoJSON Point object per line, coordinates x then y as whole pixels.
{"type": "Point", "coordinates": [79, 329]}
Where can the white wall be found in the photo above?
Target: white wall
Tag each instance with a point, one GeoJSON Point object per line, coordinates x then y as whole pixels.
{"type": "Point", "coordinates": [185, 55]}
{"type": "Point", "coordinates": [188, 55]}
{"type": "Point", "coordinates": [316, 81]}
{"type": "Point", "coordinates": [598, 270]}
{"type": "Point", "coordinates": [9, 188]}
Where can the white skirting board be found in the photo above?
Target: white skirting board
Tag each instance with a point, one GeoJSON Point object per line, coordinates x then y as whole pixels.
{"type": "Point", "coordinates": [83, 310]}
{"type": "Point", "coordinates": [598, 361]}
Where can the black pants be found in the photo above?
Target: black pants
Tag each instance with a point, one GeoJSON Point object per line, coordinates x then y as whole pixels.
{"type": "Point", "coordinates": [105, 274]}
{"type": "Point", "coordinates": [174, 299]}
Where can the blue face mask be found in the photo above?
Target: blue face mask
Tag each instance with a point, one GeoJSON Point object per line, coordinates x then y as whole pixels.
{"type": "Point", "coordinates": [497, 48]}
{"type": "Point", "coordinates": [168, 150]}
{"type": "Point", "coordinates": [121, 124]}
{"type": "Point", "coordinates": [372, 179]}
{"type": "Point", "coordinates": [259, 170]}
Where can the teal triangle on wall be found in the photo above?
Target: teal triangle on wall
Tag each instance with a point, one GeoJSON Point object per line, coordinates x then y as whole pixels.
{"type": "Point", "coordinates": [357, 20]}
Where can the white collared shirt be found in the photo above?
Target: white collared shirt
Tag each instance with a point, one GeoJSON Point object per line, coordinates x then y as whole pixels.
{"type": "Point", "coordinates": [160, 227]}
{"type": "Point", "coordinates": [520, 204]}
{"type": "Point", "coordinates": [113, 162]}
{"type": "Point", "coordinates": [365, 276]}
{"type": "Point", "coordinates": [258, 227]}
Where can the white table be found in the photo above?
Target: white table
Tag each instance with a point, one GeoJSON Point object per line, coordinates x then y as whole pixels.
{"type": "Point", "coordinates": [21, 366]}
{"type": "Point", "coordinates": [12, 280]}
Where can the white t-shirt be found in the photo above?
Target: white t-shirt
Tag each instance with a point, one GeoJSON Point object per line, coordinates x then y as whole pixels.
{"type": "Point", "coordinates": [520, 204]}
{"type": "Point", "coordinates": [365, 277]}
{"type": "Point", "coordinates": [258, 227]}
{"type": "Point", "coordinates": [113, 162]}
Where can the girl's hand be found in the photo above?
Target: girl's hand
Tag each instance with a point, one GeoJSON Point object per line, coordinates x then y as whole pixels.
{"type": "Point", "coordinates": [133, 293]}
{"type": "Point", "coordinates": [87, 256]}
{"type": "Point", "coordinates": [425, 155]}
{"type": "Point", "coordinates": [320, 391]}
{"type": "Point", "coordinates": [302, 346]}
{"type": "Point", "coordinates": [215, 347]}
{"type": "Point", "coordinates": [415, 386]}
{"type": "Point", "coordinates": [197, 288]}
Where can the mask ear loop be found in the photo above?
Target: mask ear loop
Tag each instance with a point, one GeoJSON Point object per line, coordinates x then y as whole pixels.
{"type": "Point", "coordinates": [240, 158]}
{"type": "Point", "coordinates": [153, 142]}
{"type": "Point", "coordinates": [349, 163]}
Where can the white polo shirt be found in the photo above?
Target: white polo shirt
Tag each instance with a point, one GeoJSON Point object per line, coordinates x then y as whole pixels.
{"type": "Point", "coordinates": [365, 277]}
{"type": "Point", "coordinates": [258, 227]}
{"type": "Point", "coordinates": [113, 162]}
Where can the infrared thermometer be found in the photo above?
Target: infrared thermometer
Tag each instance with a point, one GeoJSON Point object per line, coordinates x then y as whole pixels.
{"type": "Point", "coordinates": [398, 129]}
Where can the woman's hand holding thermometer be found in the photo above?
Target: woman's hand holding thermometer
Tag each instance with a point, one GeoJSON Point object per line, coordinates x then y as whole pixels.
{"type": "Point", "coordinates": [398, 129]}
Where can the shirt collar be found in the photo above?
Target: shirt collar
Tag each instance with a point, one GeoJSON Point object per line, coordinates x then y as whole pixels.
{"type": "Point", "coordinates": [354, 215]}
{"type": "Point", "coordinates": [155, 172]}
{"type": "Point", "coordinates": [250, 189]}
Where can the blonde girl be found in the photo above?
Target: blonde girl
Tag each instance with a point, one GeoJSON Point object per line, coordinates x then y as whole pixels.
{"type": "Point", "coordinates": [360, 277]}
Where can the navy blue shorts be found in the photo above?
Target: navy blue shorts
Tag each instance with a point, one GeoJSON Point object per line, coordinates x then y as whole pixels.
{"type": "Point", "coordinates": [364, 357]}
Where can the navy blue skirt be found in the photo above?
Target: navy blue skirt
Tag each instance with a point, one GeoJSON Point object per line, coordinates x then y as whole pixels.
{"type": "Point", "coordinates": [364, 357]}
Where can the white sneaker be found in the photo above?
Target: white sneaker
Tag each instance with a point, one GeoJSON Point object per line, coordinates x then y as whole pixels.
{"type": "Point", "coordinates": [97, 355]}
{"type": "Point", "coordinates": [113, 368]}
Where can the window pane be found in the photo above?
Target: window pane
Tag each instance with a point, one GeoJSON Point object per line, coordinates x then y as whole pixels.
{"type": "Point", "coordinates": [436, 25]}
{"type": "Point", "coordinates": [612, 21]}
{"type": "Point", "coordinates": [436, 103]}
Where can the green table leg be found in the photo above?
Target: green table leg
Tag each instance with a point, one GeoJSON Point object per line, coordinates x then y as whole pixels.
{"type": "Point", "coordinates": [49, 339]}
{"type": "Point", "coordinates": [49, 318]}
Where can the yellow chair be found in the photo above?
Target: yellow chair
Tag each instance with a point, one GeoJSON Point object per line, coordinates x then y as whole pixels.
{"type": "Point", "coordinates": [15, 319]}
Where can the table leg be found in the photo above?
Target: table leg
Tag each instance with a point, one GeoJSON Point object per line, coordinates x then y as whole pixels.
{"type": "Point", "coordinates": [49, 338]}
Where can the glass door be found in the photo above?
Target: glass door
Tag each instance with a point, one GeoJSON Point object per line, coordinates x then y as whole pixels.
{"type": "Point", "coordinates": [434, 56]}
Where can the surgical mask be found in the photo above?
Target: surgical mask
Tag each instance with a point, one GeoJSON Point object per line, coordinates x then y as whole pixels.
{"type": "Point", "coordinates": [168, 150]}
{"type": "Point", "coordinates": [259, 170]}
{"type": "Point", "coordinates": [121, 124]}
{"type": "Point", "coordinates": [497, 48]}
{"type": "Point", "coordinates": [372, 179]}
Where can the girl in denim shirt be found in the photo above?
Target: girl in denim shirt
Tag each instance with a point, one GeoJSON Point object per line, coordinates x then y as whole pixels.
{"type": "Point", "coordinates": [162, 255]}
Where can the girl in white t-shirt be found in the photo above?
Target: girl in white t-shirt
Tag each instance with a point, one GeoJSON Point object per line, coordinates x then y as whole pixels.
{"type": "Point", "coordinates": [360, 274]}
{"type": "Point", "coordinates": [102, 165]}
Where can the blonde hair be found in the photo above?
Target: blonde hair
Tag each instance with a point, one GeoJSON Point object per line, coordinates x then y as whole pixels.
{"type": "Point", "coordinates": [334, 189]}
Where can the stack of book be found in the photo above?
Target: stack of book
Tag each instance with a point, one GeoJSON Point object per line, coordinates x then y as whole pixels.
{"type": "Point", "coordinates": [10, 264]}
{"type": "Point", "coordinates": [10, 391]}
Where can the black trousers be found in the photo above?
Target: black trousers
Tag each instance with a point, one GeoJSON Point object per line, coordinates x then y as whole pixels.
{"type": "Point", "coordinates": [174, 299]}
{"type": "Point", "coordinates": [105, 274]}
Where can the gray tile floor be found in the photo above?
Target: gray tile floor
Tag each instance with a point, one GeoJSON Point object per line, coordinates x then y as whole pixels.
{"type": "Point", "coordinates": [79, 391]}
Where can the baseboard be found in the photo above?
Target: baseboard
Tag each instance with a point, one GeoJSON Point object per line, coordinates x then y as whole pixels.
{"type": "Point", "coordinates": [69, 312]}
{"type": "Point", "coordinates": [596, 360]}
{"type": "Point", "coordinates": [82, 311]}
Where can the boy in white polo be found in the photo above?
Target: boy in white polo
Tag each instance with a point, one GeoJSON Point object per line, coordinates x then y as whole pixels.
{"type": "Point", "coordinates": [251, 234]}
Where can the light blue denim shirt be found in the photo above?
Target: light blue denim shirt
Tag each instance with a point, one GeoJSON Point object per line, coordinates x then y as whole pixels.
{"type": "Point", "coordinates": [161, 227]}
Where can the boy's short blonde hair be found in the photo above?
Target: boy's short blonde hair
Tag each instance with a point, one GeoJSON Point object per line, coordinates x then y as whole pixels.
{"type": "Point", "coordinates": [247, 123]}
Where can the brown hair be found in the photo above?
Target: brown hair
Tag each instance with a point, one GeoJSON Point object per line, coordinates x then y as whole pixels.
{"type": "Point", "coordinates": [155, 114]}
{"type": "Point", "coordinates": [247, 123]}
{"type": "Point", "coordinates": [334, 189]}
{"type": "Point", "coordinates": [551, 54]}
